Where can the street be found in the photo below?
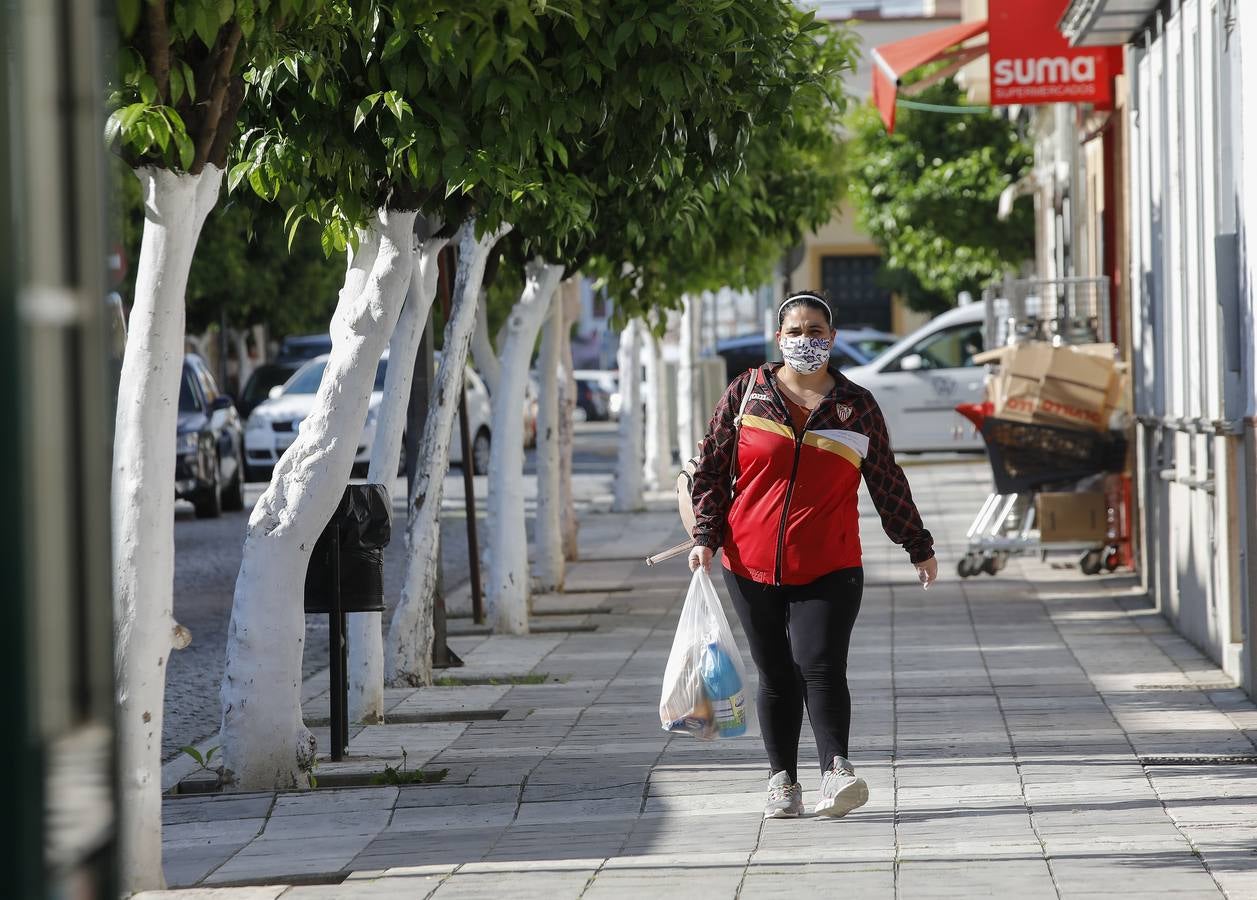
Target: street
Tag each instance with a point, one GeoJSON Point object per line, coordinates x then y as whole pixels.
{"type": "Point", "coordinates": [207, 560]}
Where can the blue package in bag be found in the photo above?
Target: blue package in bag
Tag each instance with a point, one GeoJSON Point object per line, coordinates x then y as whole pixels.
{"type": "Point", "coordinates": [724, 688]}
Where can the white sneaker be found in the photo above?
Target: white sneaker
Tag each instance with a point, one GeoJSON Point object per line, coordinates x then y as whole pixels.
{"type": "Point", "coordinates": [841, 790]}
{"type": "Point", "coordinates": [785, 800]}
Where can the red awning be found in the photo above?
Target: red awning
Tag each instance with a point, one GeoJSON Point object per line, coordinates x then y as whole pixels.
{"type": "Point", "coordinates": [893, 61]}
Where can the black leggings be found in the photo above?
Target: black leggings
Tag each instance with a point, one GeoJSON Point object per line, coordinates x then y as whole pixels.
{"type": "Point", "coordinates": [799, 637]}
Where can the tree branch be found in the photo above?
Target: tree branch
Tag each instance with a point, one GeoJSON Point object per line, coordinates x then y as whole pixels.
{"type": "Point", "coordinates": [157, 41]}
{"type": "Point", "coordinates": [222, 60]}
{"type": "Point", "coordinates": [223, 136]}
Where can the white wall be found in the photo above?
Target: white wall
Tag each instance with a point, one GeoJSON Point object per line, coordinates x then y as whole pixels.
{"type": "Point", "coordinates": [1185, 193]}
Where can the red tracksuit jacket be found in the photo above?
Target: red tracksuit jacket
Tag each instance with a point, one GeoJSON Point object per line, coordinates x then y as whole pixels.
{"type": "Point", "coordinates": [794, 517]}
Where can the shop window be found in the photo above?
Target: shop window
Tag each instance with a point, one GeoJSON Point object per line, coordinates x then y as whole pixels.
{"type": "Point", "coordinates": [852, 284]}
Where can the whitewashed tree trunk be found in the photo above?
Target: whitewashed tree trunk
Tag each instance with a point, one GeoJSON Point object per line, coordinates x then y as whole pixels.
{"type": "Point", "coordinates": [689, 428]}
{"type": "Point", "coordinates": [259, 341]}
{"type": "Point", "coordinates": [567, 406]}
{"type": "Point", "coordinates": [658, 466]}
{"type": "Point", "coordinates": [364, 631]}
{"type": "Point", "coordinates": [145, 631]}
{"type": "Point", "coordinates": [265, 743]}
{"type": "Point", "coordinates": [408, 646]}
{"type": "Point", "coordinates": [244, 364]}
{"type": "Point", "coordinates": [507, 544]}
{"type": "Point", "coordinates": [483, 351]}
{"type": "Point", "coordinates": [628, 478]}
{"type": "Point", "coordinates": [549, 570]}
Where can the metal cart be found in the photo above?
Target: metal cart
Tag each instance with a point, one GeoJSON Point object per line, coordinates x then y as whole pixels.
{"type": "Point", "coordinates": [1026, 459]}
{"type": "Point", "coordinates": [1029, 458]}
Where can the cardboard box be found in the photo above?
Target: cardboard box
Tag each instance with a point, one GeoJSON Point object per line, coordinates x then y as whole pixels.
{"type": "Point", "coordinates": [1072, 517]}
{"type": "Point", "coordinates": [1060, 386]}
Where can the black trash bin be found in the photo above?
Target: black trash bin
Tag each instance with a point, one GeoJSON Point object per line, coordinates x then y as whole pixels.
{"type": "Point", "coordinates": [346, 575]}
{"type": "Point", "coordinates": [353, 542]}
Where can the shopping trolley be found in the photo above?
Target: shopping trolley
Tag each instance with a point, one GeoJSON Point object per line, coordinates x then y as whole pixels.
{"type": "Point", "coordinates": [1027, 459]}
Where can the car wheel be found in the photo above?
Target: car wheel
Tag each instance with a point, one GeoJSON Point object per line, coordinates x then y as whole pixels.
{"type": "Point", "coordinates": [580, 415]}
{"type": "Point", "coordinates": [209, 502]}
{"type": "Point", "coordinates": [233, 496]}
{"type": "Point", "coordinates": [480, 453]}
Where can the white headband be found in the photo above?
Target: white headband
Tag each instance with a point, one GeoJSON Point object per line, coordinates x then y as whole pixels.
{"type": "Point", "coordinates": [804, 295]}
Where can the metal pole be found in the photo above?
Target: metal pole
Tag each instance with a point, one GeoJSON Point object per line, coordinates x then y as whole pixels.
{"type": "Point", "coordinates": [338, 686]}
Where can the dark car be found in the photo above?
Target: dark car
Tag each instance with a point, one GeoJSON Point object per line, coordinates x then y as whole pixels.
{"type": "Point", "coordinates": [851, 348]}
{"type": "Point", "coordinates": [258, 387]}
{"type": "Point", "coordinates": [209, 455]}
{"type": "Point", "coordinates": [593, 404]}
{"type": "Point", "coordinates": [301, 347]}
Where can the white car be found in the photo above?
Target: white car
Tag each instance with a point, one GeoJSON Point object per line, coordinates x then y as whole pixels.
{"type": "Point", "coordinates": [273, 424]}
{"type": "Point", "coordinates": [919, 380]}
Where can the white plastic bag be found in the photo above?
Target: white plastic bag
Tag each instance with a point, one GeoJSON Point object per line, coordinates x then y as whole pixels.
{"type": "Point", "coordinates": [705, 691]}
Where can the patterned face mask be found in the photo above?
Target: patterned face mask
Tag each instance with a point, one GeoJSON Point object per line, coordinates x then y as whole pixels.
{"type": "Point", "coordinates": [804, 354]}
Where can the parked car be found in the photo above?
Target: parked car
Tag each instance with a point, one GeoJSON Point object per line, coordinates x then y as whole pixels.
{"type": "Point", "coordinates": [275, 423]}
{"type": "Point", "coordinates": [852, 347]}
{"type": "Point", "coordinates": [302, 347]}
{"type": "Point", "coordinates": [919, 380]}
{"type": "Point", "coordinates": [258, 387]}
{"type": "Point", "coordinates": [209, 454]}
{"type": "Point", "coordinates": [593, 400]}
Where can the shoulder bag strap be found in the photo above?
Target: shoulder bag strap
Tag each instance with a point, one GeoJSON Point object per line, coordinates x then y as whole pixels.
{"type": "Point", "coordinates": [737, 431]}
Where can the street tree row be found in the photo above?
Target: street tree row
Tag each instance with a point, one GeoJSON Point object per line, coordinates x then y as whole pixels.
{"type": "Point", "coordinates": [667, 148]}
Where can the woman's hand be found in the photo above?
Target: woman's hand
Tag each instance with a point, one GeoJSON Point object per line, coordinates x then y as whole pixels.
{"type": "Point", "coordinates": [701, 556]}
{"type": "Point", "coordinates": [927, 572]}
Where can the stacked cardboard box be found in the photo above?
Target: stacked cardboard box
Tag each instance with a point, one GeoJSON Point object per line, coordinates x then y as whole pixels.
{"type": "Point", "coordinates": [1082, 516]}
{"type": "Point", "coordinates": [1068, 386]}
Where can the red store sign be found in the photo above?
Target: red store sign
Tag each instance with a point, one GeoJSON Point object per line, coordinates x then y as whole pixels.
{"type": "Point", "coordinates": [1032, 62]}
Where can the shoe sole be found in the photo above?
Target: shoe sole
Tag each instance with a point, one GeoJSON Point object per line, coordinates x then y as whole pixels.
{"type": "Point", "coordinates": [853, 796]}
{"type": "Point", "coordinates": [782, 814]}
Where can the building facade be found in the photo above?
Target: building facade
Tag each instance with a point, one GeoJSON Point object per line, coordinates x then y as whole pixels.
{"type": "Point", "coordinates": [1189, 149]}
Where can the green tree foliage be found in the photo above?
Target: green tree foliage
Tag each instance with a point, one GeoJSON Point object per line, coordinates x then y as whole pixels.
{"type": "Point", "coordinates": [788, 178]}
{"type": "Point", "coordinates": [928, 193]}
{"type": "Point", "coordinates": [178, 84]}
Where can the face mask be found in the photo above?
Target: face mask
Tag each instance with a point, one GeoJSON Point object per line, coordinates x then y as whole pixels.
{"type": "Point", "coordinates": [804, 354]}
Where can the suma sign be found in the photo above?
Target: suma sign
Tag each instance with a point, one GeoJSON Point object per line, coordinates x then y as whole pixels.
{"type": "Point", "coordinates": [1032, 62]}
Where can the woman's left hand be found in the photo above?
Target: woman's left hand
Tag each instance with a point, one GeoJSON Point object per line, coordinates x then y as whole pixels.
{"type": "Point", "coordinates": [928, 572]}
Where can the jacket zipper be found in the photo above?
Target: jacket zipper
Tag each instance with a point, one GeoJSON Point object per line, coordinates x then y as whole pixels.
{"type": "Point", "coordinates": [794, 472]}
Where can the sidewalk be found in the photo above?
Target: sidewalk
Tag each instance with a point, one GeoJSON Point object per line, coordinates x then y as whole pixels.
{"type": "Point", "coordinates": [1028, 735]}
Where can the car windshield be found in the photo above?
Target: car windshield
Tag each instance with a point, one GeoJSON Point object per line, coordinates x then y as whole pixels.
{"type": "Point", "coordinates": [188, 400]}
{"type": "Point", "coordinates": [307, 380]}
{"type": "Point", "coordinates": [261, 382]}
{"type": "Point", "coordinates": [871, 346]}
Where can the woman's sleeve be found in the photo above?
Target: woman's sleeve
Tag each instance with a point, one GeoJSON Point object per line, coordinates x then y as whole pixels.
{"type": "Point", "coordinates": [711, 494]}
{"type": "Point", "coordinates": [890, 492]}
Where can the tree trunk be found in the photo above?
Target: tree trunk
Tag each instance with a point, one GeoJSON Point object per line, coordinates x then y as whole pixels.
{"type": "Point", "coordinates": [567, 404]}
{"type": "Point", "coordinates": [628, 478]}
{"type": "Point", "coordinates": [507, 544]}
{"type": "Point", "coordinates": [244, 363]}
{"type": "Point", "coordinates": [483, 352]}
{"type": "Point", "coordinates": [549, 571]}
{"type": "Point", "coordinates": [408, 647]}
{"type": "Point", "coordinates": [265, 743]}
{"type": "Point", "coordinates": [689, 429]}
{"type": "Point", "coordinates": [658, 466]}
{"type": "Point", "coordinates": [365, 630]}
{"type": "Point", "coordinates": [145, 631]}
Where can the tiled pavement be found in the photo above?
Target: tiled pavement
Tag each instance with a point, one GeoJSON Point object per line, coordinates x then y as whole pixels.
{"type": "Point", "coordinates": [1000, 722]}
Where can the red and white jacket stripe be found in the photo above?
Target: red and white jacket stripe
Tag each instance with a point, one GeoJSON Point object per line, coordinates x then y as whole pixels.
{"type": "Point", "coordinates": [794, 517]}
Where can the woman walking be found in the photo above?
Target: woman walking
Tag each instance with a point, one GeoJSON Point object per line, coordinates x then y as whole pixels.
{"type": "Point", "coordinates": [777, 492]}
